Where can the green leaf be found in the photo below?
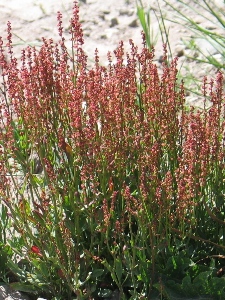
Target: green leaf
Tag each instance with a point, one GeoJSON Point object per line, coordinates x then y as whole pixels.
{"type": "Point", "coordinates": [16, 270]}
{"type": "Point", "coordinates": [111, 270]}
{"type": "Point", "coordinates": [23, 287]}
{"type": "Point", "coordinates": [41, 266]}
{"type": "Point", "coordinates": [217, 287]}
{"type": "Point", "coordinates": [97, 273]}
{"type": "Point", "coordinates": [119, 269]}
{"type": "Point", "coordinates": [201, 282]}
{"type": "Point", "coordinates": [3, 260]}
{"type": "Point", "coordinates": [188, 288]}
{"type": "Point", "coordinates": [107, 265]}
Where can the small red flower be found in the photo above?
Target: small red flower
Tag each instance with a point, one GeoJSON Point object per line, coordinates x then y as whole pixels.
{"type": "Point", "coordinates": [36, 250]}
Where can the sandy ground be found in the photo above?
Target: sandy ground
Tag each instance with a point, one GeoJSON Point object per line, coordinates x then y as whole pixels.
{"type": "Point", "coordinates": [105, 22]}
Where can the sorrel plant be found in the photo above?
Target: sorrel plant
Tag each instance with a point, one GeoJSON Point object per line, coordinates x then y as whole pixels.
{"type": "Point", "coordinates": [105, 173]}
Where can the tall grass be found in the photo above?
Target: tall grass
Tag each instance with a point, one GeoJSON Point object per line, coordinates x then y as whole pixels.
{"type": "Point", "coordinates": [209, 11]}
{"type": "Point", "coordinates": [205, 44]}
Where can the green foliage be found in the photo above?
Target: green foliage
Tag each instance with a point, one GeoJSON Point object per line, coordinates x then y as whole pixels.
{"type": "Point", "coordinates": [5, 254]}
{"type": "Point", "coordinates": [189, 280]}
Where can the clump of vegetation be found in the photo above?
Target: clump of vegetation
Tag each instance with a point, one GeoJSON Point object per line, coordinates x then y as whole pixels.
{"type": "Point", "coordinates": [108, 181]}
